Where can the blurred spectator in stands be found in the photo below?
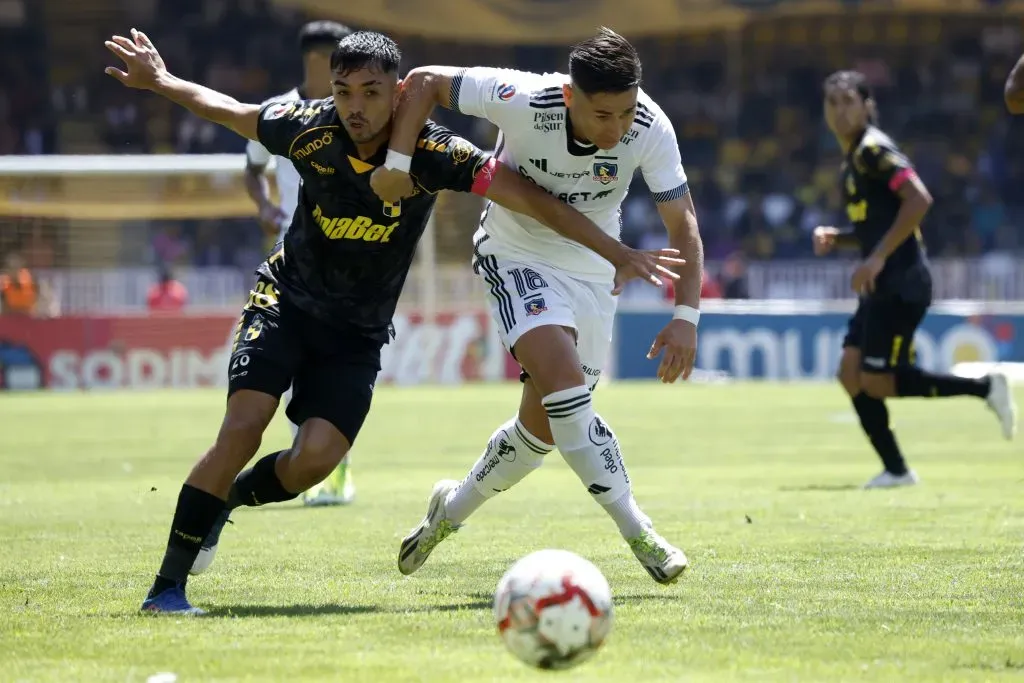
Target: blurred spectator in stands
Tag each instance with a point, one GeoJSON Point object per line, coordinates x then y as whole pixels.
{"type": "Point", "coordinates": [734, 278]}
{"type": "Point", "coordinates": [167, 295]}
{"type": "Point", "coordinates": [21, 293]}
{"type": "Point", "coordinates": [170, 246]}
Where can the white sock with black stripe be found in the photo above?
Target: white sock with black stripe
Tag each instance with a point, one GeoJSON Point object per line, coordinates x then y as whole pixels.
{"type": "Point", "coordinates": [511, 454]}
{"type": "Point", "coordinates": [590, 448]}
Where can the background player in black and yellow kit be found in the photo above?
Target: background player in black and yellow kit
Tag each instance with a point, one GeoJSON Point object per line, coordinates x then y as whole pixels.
{"type": "Point", "coordinates": [322, 304]}
{"type": "Point", "coordinates": [885, 202]}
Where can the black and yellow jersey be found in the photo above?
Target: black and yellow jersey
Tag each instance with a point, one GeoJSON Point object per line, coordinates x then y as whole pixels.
{"type": "Point", "coordinates": [346, 255]}
{"type": "Point", "coordinates": [872, 174]}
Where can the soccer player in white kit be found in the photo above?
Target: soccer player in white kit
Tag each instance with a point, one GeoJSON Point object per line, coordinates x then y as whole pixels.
{"type": "Point", "coordinates": [317, 40]}
{"type": "Point", "coordinates": [580, 136]}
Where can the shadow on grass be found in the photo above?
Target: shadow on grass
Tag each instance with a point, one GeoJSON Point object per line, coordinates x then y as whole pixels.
{"type": "Point", "coordinates": [257, 611]}
{"type": "Point", "coordinates": [820, 487]}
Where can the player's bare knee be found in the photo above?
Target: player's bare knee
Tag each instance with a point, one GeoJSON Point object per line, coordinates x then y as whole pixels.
{"type": "Point", "coordinates": [849, 372]}
{"type": "Point", "coordinates": [532, 414]}
{"type": "Point", "coordinates": [319, 448]}
{"type": "Point", "coordinates": [549, 355]}
{"type": "Point", "coordinates": [240, 434]}
{"type": "Point", "coordinates": [878, 384]}
{"type": "Point", "coordinates": [850, 381]}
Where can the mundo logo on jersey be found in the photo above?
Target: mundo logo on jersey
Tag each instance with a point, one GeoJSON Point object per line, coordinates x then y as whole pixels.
{"type": "Point", "coordinates": [605, 172]}
{"type": "Point", "coordinates": [506, 91]}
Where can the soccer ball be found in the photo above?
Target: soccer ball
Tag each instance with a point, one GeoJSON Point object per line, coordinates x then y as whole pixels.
{"type": "Point", "coordinates": [553, 609]}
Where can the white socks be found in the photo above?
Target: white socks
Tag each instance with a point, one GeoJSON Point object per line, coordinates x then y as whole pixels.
{"type": "Point", "coordinates": [588, 445]}
{"type": "Point", "coordinates": [590, 448]}
{"type": "Point", "coordinates": [511, 454]}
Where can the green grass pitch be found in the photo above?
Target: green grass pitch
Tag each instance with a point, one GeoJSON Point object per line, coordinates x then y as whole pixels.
{"type": "Point", "coordinates": [796, 575]}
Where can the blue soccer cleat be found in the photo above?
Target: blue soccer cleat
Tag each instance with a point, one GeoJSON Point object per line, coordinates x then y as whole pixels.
{"type": "Point", "coordinates": [171, 601]}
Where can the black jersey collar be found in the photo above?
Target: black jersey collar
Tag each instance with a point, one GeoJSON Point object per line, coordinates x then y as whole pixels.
{"type": "Point", "coordinates": [856, 142]}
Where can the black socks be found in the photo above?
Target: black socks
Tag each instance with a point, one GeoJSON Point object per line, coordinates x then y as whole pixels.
{"type": "Point", "coordinates": [874, 419]}
{"type": "Point", "coordinates": [259, 485]}
{"type": "Point", "coordinates": [918, 382]}
{"type": "Point", "coordinates": [194, 517]}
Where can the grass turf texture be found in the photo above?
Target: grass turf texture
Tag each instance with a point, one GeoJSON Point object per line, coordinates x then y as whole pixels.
{"type": "Point", "coordinates": [796, 575]}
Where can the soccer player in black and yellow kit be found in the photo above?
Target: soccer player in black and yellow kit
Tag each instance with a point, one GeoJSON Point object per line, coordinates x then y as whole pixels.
{"type": "Point", "coordinates": [885, 202]}
{"type": "Point", "coordinates": [321, 307]}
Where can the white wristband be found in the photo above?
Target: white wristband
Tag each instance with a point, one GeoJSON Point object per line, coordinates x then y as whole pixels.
{"type": "Point", "coordinates": [687, 313]}
{"type": "Point", "coordinates": [398, 161]}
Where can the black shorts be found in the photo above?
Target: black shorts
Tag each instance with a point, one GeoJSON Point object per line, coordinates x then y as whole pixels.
{"type": "Point", "coordinates": [332, 372]}
{"type": "Point", "coordinates": [883, 330]}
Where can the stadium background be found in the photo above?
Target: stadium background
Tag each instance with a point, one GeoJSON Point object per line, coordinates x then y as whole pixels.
{"type": "Point", "coordinates": [740, 80]}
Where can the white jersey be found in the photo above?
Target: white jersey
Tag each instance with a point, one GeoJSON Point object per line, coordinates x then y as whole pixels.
{"type": "Point", "coordinates": [287, 177]}
{"type": "Point", "coordinates": [536, 139]}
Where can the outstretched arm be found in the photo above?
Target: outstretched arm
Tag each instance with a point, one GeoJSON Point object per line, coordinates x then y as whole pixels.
{"type": "Point", "coordinates": [146, 71]}
{"type": "Point", "coordinates": [452, 163]}
{"type": "Point", "coordinates": [497, 95]}
{"type": "Point", "coordinates": [508, 189]}
{"type": "Point", "coordinates": [680, 219]}
{"type": "Point", "coordinates": [422, 89]}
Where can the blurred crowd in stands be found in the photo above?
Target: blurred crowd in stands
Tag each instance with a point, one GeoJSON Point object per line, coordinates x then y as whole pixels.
{"type": "Point", "coordinates": [747, 111]}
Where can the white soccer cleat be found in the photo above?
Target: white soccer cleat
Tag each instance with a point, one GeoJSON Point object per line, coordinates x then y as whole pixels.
{"type": "Point", "coordinates": [662, 560]}
{"type": "Point", "coordinates": [1000, 400]}
{"type": "Point", "coordinates": [208, 550]}
{"type": "Point", "coordinates": [417, 546]}
{"type": "Point", "coordinates": [888, 480]}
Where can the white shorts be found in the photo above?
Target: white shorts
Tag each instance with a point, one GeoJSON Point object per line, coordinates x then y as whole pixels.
{"type": "Point", "coordinates": [524, 296]}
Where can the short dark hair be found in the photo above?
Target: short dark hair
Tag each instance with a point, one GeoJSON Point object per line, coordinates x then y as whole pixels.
{"type": "Point", "coordinates": [320, 34]}
{"type": "Point", "coordinates": [366, 49]}
{"type": "Point", "coordinates": [605, 63]}
{"type": "Point", "coordinates": [853, 80]}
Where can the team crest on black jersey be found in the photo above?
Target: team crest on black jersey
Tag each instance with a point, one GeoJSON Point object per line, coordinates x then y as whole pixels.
{"type": "Point", "coordinates": [605, 172]}
{"type": "Point", "coordinates": [461, 150]}
{"type": "Point", "coordinates": [393, 210]}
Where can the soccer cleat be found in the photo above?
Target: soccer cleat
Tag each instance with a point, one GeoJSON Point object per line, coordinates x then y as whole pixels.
{"type": "Point", "coordinates": [1000, 400]}
{"type": "Point", "coordinates": [337, 489]}
{"type": "Point", "coordinates": [208, 550]}
{"type": "Point", "coordinates": [417, 546]}
{"type": "Point", "coordinates": [662, 560]}
{"type": "Point", "coordinates": [171, 601]}
{"type": "Point", "coordinates": [888, 480]}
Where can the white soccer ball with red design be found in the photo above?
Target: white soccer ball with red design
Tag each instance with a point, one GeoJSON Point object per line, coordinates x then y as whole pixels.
{"type": "Point", "coordinates": [554, 609]}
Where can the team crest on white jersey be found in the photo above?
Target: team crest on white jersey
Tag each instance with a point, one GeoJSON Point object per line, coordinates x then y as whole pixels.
{"type": "Point", "coordinates": [538, 140]}
{"type": "Point", "coordinates": [606, 172]}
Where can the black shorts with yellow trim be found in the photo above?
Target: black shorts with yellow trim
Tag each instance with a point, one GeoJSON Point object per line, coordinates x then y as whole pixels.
{"type": "Point", "coordinates": [332, 372]}
{"type": "Point", "coordinates": [883, 330]}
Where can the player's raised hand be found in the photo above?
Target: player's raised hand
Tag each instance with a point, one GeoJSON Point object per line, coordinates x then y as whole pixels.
{"type": "Point", "coordinates": [678, 340]}
{"type": "Point", "coordinates": [391, 184]}
{"type": "Point", "coordinates": [825, 239]}
{"type": "Point", "coordinates": [144, 65]}
{"type": "Point", "coordinates": [648, 265]}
